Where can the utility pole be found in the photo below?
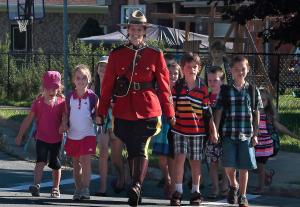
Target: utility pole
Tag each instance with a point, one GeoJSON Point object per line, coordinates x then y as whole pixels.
{"type": "Point", "coordinates": [66, 46]}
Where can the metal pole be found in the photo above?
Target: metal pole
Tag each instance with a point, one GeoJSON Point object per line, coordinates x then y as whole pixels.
{"type": "Point", "coordinates": [66, 47]}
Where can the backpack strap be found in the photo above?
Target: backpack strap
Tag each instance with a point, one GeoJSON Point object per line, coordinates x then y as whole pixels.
{"type": "Point", "coordinates": [93, 98]}
{"type": "Point", "coordinates": [225, 96]}
{"type": "Point", "coordinates": [252, 93]}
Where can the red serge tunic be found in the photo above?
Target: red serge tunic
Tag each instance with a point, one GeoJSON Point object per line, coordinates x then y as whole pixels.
{"type": "Point", "coordinates": [138, 104]}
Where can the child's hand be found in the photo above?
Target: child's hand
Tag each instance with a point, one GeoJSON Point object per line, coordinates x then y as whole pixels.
{"type": "Point", "coordinates": [213, 138]}
{"type": "Point", "coordinates": [18, 140]}
{"type": "Point", "coordinates": [63, 128]}
{"type": "Point", "coordinates": [254, 141]}
{"type": "Point", "coordinates": [99, 120]}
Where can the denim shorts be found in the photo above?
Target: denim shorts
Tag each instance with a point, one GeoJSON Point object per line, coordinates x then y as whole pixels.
{"type": "Point", "coordinates": [238, 154]}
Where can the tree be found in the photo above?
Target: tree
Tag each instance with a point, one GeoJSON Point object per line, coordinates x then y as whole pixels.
{"type": "Point", "coordinates": [285, 24]}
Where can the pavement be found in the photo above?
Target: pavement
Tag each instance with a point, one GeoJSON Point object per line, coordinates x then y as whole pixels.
{"type": "Point", "coordinates": [286, 181]}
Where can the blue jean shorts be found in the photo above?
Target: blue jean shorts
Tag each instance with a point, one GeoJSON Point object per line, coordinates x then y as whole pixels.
{"type": "Point", "coordinates": [238, 154]}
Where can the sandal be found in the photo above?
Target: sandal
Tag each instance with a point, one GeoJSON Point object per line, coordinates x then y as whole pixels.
{"type": "Point", "coordinates": [269, 177]}
{"type": "Point", "coordinates": [55, 193]}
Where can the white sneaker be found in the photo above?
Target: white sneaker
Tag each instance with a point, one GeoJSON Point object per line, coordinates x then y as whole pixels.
{"type": "Point", "coordinates": [85, 194]}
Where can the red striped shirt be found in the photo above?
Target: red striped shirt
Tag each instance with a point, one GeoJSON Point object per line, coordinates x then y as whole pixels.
{"type": "Point", "coordinates": [190, 107]}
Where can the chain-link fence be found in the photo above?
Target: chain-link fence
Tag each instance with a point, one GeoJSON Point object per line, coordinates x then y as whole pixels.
{"type": "Point", "coordinates": [20, 73]}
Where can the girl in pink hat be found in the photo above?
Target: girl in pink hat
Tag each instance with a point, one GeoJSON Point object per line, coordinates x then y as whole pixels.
{"type": "Point", "coordinates": [47, 110]}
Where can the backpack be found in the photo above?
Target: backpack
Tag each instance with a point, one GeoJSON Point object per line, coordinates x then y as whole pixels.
{"type": "Point", "coordinates": [275, 137]}
{"type": "Point", "coordinates": [93, 99]}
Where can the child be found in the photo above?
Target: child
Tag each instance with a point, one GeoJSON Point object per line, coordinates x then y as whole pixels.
{"type": "Point", "coordinates": [47, 110]}
{"type": "Point", "coordinates": [192, 112]}
{"type": "Point", "coordinates": [105, 137]}
{"type": "Point", "coordinates": [217, 50]}
{"type": "Point", "coordinates": [215, 78]}
{"type": "Point", "coordinates": [265, 148]}
{"type": "Point", "coordinates": [160, 141]}
{"type": "Point", "coordinates": [240, 103]}
{"type": "Point", "coordinates": [81, 141]}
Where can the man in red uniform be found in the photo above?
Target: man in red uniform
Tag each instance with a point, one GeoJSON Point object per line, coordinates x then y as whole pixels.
{"type": "Point", "coordinates": [130, 77]}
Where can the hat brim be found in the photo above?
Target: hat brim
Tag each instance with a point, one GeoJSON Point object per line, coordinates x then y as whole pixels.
{"type": "Point", "coordinates": [127, 24]}
{"type": "Point", "coordinates": [51, 86]}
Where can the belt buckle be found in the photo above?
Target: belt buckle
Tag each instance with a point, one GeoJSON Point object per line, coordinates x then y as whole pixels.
{"type": "Point", "coordinates": [136, 86]}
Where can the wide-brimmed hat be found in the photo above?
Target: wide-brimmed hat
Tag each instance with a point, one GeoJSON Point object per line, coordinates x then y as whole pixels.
{"type": "Point", "coordinates": [136, 17]}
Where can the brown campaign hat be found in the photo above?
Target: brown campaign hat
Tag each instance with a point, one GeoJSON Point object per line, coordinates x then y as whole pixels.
{"type": "Point", "coordinates": [136, 17]}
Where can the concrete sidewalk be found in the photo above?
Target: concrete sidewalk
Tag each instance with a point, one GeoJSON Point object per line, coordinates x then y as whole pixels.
{"type": "Point", "coordinates": [286, 181]}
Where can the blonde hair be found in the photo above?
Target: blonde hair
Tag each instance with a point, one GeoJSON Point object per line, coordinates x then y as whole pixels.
{"type": "Point", "coordinates": [177, 67]}
{"type": "Point", "coordinates": [83, 69]}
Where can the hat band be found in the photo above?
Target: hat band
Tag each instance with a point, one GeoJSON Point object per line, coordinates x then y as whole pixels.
{"type": "Point", "coordinates": [136, 22]}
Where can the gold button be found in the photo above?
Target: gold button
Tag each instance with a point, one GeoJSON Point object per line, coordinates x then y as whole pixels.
{"type": "Point", "coordinates": [134, 92]}
{"type": "Point", "coordinates": [136, 64]}
{"type": "Point", "coordinates": [147, 68]}
{"type": "Point", "coordinates": [135, 73]}
{"type": "Point", "coordinates": [123, 68]}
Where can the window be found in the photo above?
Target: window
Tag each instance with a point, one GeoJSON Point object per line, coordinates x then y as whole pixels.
{"type": "Point", "coordinates": [20, 41]}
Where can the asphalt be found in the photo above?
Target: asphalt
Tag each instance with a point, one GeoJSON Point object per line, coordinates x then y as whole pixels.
{"type": "Point", "coordinates": [286, 181]}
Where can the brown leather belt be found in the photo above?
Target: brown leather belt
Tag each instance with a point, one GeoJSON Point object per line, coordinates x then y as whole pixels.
{"type": "Point", "coordinates": [136, 86]}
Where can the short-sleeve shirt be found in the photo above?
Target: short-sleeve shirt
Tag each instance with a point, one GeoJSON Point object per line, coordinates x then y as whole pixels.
{"type": "Point", "coordinates": [190, 109]}
{"type": "Point", "coordinates": [81, 122]}
{"type": "Point", "coordinates": [48, 118]}
{"type": "Point", "coordinates": [238, 117]}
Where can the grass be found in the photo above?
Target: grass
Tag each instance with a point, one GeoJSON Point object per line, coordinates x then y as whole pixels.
{"type": "Point", "coordinates": [6, 102]}
{"type": "Point", "coordinates": [289, 113]}
{"type": "Point", "coordinates": [13, 115]}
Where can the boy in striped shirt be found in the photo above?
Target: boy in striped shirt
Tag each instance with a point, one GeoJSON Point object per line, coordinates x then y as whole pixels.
{"type": "Point", "coordinates": [191, 100]}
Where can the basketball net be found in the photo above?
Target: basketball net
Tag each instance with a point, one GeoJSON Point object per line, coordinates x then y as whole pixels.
{"type": "Point", "coordinates": [22, 23]}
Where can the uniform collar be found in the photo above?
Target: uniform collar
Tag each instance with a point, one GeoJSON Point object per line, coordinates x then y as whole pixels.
{"type": "Point", "coordinates": [133, 47]}
{"type": "Point", "coordinates": [75, 95]}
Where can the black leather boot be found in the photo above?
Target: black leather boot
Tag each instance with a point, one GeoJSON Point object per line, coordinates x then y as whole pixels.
{"type": "Point", "coordinates": [139, 172]}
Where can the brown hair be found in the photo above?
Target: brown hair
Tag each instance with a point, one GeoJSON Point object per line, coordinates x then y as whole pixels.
{"type": "Point", "coordinates": [189, 57]}
{"type": "Point", "coordinates": [217, 70]}
{"type": "Point", "coordinates": [217, 45]}
{"type": "Point", "coordinates": [270, 109]}
{"type": "Point", "coordinates": [238, 59]}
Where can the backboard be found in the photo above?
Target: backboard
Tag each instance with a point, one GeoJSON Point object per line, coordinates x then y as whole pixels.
{"type": "Point", "coordinates": [25, 9]}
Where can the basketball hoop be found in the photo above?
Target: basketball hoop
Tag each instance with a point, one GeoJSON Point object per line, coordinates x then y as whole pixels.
{"type": "Point", "coordinates": [22, 23]}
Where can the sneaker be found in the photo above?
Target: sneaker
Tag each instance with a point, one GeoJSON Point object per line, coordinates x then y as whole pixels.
{"type": "Point", "coordinates": [232, 197]}
{"type": "Point", "coordinates": [85, 194]}
{"type": "Point", "coordinates": [243, 201]}
{"type": "Point", "coordinates": [176, 199]}
{"type": "Point", "coordinates": [76, 196]}
{"type": "Point", "coordinates": [35, 190]}
{"type": "Point", "coordinates": [196, 199]}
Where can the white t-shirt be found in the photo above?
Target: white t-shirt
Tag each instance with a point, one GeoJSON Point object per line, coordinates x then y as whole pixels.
{"type": "Point", "coordinates": [81, 123]}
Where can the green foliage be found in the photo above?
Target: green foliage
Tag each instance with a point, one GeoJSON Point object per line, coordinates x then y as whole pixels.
{"type": "Point", "coordinates": [158, 44]}
{"type": "Point", "coordinates": [20, 74]}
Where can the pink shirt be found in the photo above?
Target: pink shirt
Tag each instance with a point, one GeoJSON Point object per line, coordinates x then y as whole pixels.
{"type": "Point", "coordinates": [48, 118]}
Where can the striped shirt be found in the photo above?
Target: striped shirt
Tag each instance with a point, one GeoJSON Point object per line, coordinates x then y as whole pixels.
{"type": "Point", "coordinates": [191, 108]}
{"type": "Point", "coordinates": [264, 147]}
{"type": "Point", "coordinates": [238, 115]}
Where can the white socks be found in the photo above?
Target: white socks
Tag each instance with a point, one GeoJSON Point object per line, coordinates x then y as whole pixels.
{"type": "Point", "coordinates": [195, 188]}
{"type": "Point", "coordinates": [178, 188]}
